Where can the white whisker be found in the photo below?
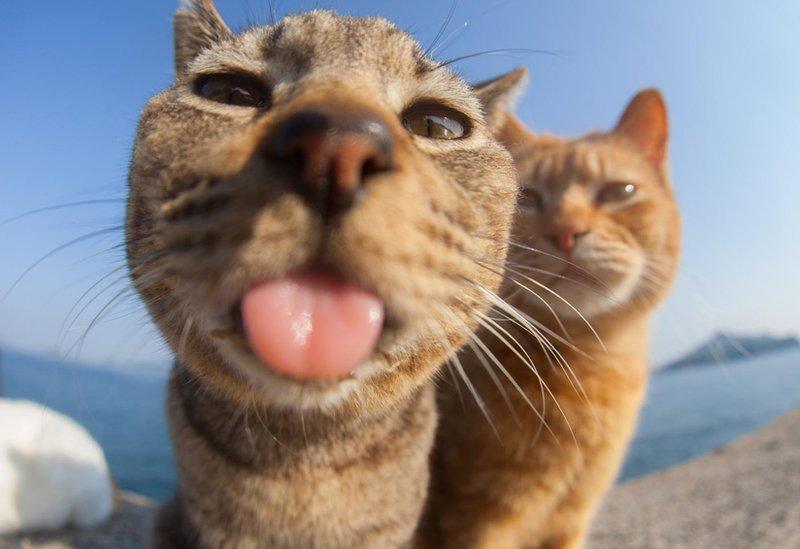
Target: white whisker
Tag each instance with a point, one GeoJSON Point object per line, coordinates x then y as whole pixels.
{"type": "Point", "coordinates": [523, 355]}
{"type": "Point", "coordinates": [478, 400]}
{"type": "Point", "coordinates": [568, 304]}
{"type": "Point", "coordinates": [479, 354]}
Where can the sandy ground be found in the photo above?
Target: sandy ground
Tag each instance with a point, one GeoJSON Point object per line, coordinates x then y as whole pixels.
{"type": "Point", "coordinates": [127, 529]}
{"type": "Point", "coordinates": [743, 495]}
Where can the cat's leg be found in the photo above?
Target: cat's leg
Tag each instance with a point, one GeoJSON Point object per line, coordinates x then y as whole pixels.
{"type": "Point", "coordinates": [569, 523]}
{"type": "Point", "coordinates": [490, 536]}
{"type": "Point", "coordinates": [575, 539]}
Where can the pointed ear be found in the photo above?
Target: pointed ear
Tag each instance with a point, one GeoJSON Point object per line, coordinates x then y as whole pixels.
{"type": "Point", "coordinates": [500, 94]}
{"type": "Point", "coordinates": [513, 134]}
{"type": "Point", "coordinates": [198, 25]}
{"type": "Point", "coordinates": [645, 124]}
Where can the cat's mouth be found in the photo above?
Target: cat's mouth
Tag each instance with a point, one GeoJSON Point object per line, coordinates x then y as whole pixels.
{"type": "Point", "coordinates": [312, 325]}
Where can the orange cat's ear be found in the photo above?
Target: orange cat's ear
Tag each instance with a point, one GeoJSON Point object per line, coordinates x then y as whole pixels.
{"type": "Point", "coordinates": [646, 125]}
{"type": "Point", "coordinates": [198, 25]}
{"type": "Point", "coordinates": [513, 133]}
{"type": "Point", "coordinates": [499, 95]}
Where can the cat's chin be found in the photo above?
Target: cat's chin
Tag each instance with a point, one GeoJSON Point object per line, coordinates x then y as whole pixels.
{"type": "Point", "coordinates": [580, 293]}
{"type": "Point", "coordinates": [289, 393]}
{"type": "Point", "coordinates": [572, 301]}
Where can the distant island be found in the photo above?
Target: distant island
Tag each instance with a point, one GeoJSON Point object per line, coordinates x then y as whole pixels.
{"type": "Point", "coordinates": [725, 347]}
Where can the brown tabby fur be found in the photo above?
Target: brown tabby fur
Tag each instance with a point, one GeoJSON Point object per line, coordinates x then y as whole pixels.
{"type": "Point", "coordinates": [265, 461]}
{"type": "Point", "coordinates": [537, 482]}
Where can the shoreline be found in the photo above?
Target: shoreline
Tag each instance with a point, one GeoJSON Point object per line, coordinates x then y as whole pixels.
{"type": "Point", "coordinates": [744, 494]}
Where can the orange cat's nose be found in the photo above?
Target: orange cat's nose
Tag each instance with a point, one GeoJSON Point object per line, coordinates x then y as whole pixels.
{"type": "Point", "coordinates": [566, 238]}
{"type": "Point", "coordinates": [334, 153]}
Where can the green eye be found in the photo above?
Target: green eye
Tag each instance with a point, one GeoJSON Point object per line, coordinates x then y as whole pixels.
{"type": "Point", "coordinates": [616, 192]}
{"type": "Point", "coordinates": [239, 91]}
{"type": "Point", "coordinates": [531, 199]}
{"type": "Point", "coordinates": [435, 122]}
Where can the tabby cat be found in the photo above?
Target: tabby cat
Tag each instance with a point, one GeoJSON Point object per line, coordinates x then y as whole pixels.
{"type": "Point", "coordinates": [595, 247]}
{"type": "Point", "coordinates": [306, 206]}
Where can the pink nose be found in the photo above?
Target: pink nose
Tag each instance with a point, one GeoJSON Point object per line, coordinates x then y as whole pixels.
{"type": "Point", "coordinates": [565, 239]}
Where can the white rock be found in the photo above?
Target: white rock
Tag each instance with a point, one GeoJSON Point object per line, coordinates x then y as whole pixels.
{"type": "Point", "coordinates": [52, 472]}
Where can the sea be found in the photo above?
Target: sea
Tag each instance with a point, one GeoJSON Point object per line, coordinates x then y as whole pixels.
{"type": "Point", "coordinates": [687, 412]}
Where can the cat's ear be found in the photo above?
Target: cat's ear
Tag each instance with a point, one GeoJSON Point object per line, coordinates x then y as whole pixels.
{"type": "Point", "coordinates": [645, 124]}
{"type": "Point", "coordinates": [513, 134]}
{"type": "Point", "coordinates": [198, 25]}
{"type": "Point", "coordinates": [500, 94]}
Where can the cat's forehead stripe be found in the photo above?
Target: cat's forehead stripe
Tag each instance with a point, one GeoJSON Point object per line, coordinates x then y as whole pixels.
{"type": "Point", "coordinates": [575, 164]}
{"type": "Point", "coordinates": [592, 163]}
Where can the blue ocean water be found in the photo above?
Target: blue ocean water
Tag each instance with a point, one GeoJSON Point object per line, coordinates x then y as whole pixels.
{"type": "Point", "coordinates": [124, 412]}
{"type": "Point", "coordinates": [687, 412]}
{"type": "Point", "coordinates": [691, 411]}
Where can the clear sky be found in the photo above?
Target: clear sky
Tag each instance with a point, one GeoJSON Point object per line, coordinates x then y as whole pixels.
{"type": "Point", "coordinates": [75, 74]}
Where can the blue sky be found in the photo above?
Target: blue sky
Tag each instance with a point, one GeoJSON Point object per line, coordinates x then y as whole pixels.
{"type": "Point", "coordinates": [76, 74]}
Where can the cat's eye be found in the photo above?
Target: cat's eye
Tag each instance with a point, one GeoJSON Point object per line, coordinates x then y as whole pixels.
{"type": "Point", "coordinates": [616, 192]}
{"type": "Point", "coordinates": [239, 91]}
{"type": "Point", "coordinates": [531, 199]}
{"type": "Point", "coordinates": [435, 121]}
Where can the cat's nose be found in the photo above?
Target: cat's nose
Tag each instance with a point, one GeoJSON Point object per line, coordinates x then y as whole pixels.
{"type": "Point", "coordinates": [565, 238]}
{"type": "Point", "coordinates": [335, 154]}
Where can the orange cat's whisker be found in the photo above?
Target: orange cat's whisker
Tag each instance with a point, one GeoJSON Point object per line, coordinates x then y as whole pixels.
{"type": "Point", "coordinates": [523, 267]}
{"type": "Point", "coordinates": [606, 292]}
{"type": "Point", "coordinates": [572, 264]}
{"type": "Point", "coordinates": [519, 245]}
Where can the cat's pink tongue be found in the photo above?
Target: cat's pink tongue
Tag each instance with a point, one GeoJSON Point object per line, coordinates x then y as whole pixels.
{"type": "Point", "coordinates": [312, 325]}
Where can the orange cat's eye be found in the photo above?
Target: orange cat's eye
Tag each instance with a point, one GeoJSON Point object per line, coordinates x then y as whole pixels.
{"type": "Point", "coordinates": [616, 192]}
{"type": "Point", "coordinates": [236, 90]}
{"type": "Point", "coordinates": [435, 121]}
{"type": "Point", "coordinates": [531, 199]}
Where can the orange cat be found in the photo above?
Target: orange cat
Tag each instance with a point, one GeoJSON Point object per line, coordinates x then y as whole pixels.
{"type": "Point", "coordinates": [596, 246]}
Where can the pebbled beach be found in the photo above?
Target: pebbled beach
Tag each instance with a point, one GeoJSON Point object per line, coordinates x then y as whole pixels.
{"type": "Point", "coordinates": [743, 495]}
{"type": "Point", "coordinates": [127, 529]}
